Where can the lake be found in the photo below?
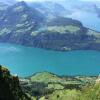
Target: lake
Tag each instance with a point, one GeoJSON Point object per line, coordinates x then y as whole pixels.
{"type": "Point", "coordinates": [27, 60]}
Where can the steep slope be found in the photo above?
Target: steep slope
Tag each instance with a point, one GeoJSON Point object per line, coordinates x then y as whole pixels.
{"type": "Point", "coordinates": [9, 86]}
{"type": "Point", "coordinates": [28, 26]}
{"type": "Point", "coordinates": [18, 21]}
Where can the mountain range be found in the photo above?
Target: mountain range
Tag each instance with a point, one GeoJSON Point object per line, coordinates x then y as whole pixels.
{"type": "Point", "coordinates": [38, 25]}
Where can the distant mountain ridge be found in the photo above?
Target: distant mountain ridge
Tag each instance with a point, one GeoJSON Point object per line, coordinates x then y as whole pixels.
{"type": "Point", "coordinates": [28, 26]}
{"type": "Point", "coordinates": [97, 10]}
{"type": "Point", "coordinates": [50, 8]}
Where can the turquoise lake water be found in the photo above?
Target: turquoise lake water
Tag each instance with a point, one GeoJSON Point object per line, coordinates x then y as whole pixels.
{"type": "Point", "coordinates": [27, 60]}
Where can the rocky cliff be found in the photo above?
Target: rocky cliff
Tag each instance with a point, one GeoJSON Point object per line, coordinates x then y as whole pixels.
{"type": "Point", "coordinates": [9, 86]}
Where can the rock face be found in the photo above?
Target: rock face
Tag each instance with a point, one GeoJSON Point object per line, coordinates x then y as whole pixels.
{"type": "Point", "coordinates": [23, 25]}
{"type": "Point", "coordinates": [9, 86]}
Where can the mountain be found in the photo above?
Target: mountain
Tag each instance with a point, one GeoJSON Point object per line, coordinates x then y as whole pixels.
{"type": "Point", "coordinates": [17, 21]}
{"type": "Point", "coordinates": [97, 10]}
{"type": "Point", "coordinates": [78, 5]}
{"type": "Point", "coordinates": [50, 9]}
{"type": "Point", "coordinates": [24, 25]}
{"type": "Point", "coordinates": [9, 86]}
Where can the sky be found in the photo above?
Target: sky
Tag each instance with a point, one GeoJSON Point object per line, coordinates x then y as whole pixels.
{"type": "Point", "coordinates": [31, 0]}
{"type": "Point", "coordinates": [49, 0]}
{"type": "Point", "coordinates": [54, 0]}
{"type": "Point", "coordinates": [61, 1]}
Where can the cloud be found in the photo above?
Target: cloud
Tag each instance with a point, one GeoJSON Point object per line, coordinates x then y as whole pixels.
{"type": "Point", "coordinates": [33, 0]}
{"type": "Point", "coordinates": [57, 0]}
{"type": "Point", "coordinates": [90, 0]}
{"type": "Point", "coordinates": [41, 0]}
